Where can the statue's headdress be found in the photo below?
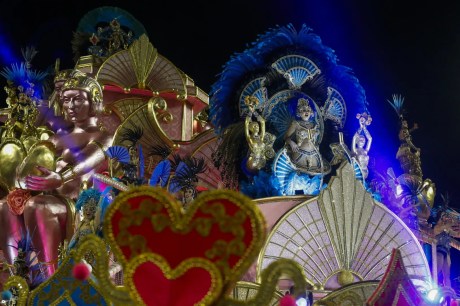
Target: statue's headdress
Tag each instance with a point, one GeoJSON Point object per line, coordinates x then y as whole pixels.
{"type": "Point", "coordinates": [89, 85]}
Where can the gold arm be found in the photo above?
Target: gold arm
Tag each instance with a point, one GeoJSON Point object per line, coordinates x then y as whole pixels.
{"type": "Point", "coordinates": [93, 154]}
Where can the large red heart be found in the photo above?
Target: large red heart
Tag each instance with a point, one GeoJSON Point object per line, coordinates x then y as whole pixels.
{"type": "Point", "coordinates": [152, 282]}
{"type": "Point", "coordinates": [222, 226]}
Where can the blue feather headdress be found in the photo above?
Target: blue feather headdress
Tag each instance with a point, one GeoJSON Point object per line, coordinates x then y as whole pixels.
{"type": "Point", "coordinates": [257, 59]}
{"type": "Point", "coordinates": [86, 196]}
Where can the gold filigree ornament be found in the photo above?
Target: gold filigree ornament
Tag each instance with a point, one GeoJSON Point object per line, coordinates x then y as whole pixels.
{"type": "Point", "coordinates": [223, 227]}
{"type": "Point", "coordinates": [18, 286]}
{"type": "Point", "coordinates": [269, 280]}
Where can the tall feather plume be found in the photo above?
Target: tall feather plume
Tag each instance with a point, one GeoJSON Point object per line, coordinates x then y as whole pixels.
{"type": "Point", "coordinates": [175, 161]}
{"type": "Point", "coordinates": [397, 103]}
{"type": "Point", "coordinates": [28, 54]}
{"type": "Point", "coordinates": [131, 135]}
{"type": "Point", "coordinates": [160, 150]}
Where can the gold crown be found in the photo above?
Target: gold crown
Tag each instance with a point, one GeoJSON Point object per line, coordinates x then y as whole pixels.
{"type": "Point", "coordinates": [65, 74]}
{"type": "Point", "coordinates": [304, 103]}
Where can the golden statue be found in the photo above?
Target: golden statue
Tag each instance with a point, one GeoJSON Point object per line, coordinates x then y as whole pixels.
{"type": "Point", "coordinates": [47, 210]}
{"type": "Point", "coordinates": [362, 141]}
{"type": "Point", "coordinates": [260, 142]}
{"type": "Point", "coordinates": [408, 154]}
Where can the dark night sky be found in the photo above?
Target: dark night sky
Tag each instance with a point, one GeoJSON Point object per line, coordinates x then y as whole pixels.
{"type": "Point", "coordinates": [412, 50]}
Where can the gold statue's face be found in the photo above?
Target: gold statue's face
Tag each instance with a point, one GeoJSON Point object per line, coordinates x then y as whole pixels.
{"type": "Point", "coordinates": [254, 127]}
{"type": "Point", "coordinates": [76, 105]}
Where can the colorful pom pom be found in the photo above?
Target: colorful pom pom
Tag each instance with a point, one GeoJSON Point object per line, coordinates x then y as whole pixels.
{"type": "Point", "coordinates": [81, 271]}
{"type": "Point", "coordinates": [6, 295]}
{"type": "Point", "coordinates": [287, 300]}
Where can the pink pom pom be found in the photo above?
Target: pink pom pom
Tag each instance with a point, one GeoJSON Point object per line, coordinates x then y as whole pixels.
{"type": "Point", "coordinates": [287, 300]}
{"type": "Point", "coordinates": [81, 271]}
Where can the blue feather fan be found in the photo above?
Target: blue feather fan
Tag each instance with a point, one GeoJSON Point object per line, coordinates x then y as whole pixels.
{"type": "Point", "coordinates": [119, 153]}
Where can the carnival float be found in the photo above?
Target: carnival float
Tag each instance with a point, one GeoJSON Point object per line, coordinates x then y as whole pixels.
{"type": "Point", "coordinates": [124, 183]}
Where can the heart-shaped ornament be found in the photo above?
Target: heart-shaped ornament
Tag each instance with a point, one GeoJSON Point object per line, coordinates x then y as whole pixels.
{"type": "Point", "coordinates": [152, 282]}
{"type": "Point", "coordinates": [223, 227]}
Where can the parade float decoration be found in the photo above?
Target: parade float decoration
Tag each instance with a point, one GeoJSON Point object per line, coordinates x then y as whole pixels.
{"type": "Point", "coordinates": [253, 194]}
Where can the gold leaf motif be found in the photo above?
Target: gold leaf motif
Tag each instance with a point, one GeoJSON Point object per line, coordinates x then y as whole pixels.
{"type": "Point", "coordinates": [160, 222]}
{"type": "Point", "coordinates": [202, 226]}
{"type": "Point", "coordinates": [143, 56]}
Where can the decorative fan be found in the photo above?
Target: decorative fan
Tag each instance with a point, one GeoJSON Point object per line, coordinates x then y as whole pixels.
{"type": "Point", "coordinates": [129, 68]}
{"type": "Point", "coordinates": [296, 69]}
{"type": "Point", "coordinates": [344, 236]}
{"type": "Point", "coordinates": [254, 88]}
{"type": "Point", "coordinates": [280, 119]}
{"type": "Point", "coordinates": [335, 108]}
{"type": "Point", "coordinates": [119, 153]}
{"type": "Point", "coordinates": [358, 171]}
{"type": "Point", "coordinates": [160, 174]}
{"type": "Point", "coordinates": [166, 77]}
{"type": "Point", "coordinates": [125, 107]}
{"type": "Point", "coordinates": [291, 180]}
{"type": "Point", "coordinates": [144, 56]}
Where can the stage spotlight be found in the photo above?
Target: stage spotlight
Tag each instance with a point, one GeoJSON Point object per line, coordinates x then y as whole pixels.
{"type": "Point", "coordinates": [435, 295]}
{"type": "Point", "coordinates": [302, 302]}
